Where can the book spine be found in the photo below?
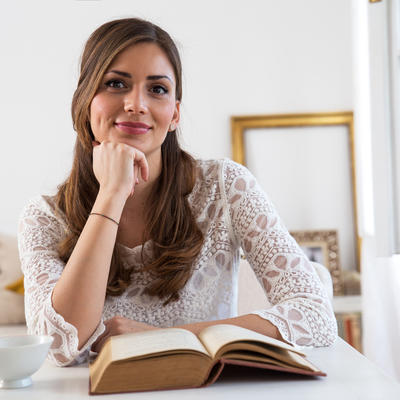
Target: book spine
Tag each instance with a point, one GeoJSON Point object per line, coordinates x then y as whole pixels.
{"type": "Point", "coordinates": [350, 329]}
{"type": "Point", "coordinates": [348, 322]}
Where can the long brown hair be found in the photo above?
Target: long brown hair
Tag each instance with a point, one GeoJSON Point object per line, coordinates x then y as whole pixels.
{"type": "Point", "coordinates": [170, 224]}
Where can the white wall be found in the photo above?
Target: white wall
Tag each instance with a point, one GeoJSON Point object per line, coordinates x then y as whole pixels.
{"type": "Point", "coordinates": [254, 57]}
{"type": "Point", "coordinates": [313, 189]}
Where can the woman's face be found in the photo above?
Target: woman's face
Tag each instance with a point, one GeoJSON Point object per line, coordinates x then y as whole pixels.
{"type": "Point", "coordinates": [135, 103]}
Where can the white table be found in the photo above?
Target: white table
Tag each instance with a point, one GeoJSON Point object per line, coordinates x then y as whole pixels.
{"type": "Point", "coordinates": [350, 376]}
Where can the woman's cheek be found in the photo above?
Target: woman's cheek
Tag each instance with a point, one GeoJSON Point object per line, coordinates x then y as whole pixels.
{"type": "Point", "coordinates": [99, 115]}
{"type": "Point", "coordinates": [168, 114]}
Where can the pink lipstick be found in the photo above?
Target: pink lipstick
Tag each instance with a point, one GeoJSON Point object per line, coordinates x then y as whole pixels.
{"type": "Point", "coordinates": [133, 128]}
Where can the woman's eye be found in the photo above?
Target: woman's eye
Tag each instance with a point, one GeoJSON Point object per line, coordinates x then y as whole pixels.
{"type": "Point", "coordinates": [159, 89]}
{"type": "Point", "coordinates": [115, 83]}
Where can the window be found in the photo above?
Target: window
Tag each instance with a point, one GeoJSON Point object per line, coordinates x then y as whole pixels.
{"type": "Point", "coordinates": [394, 91]}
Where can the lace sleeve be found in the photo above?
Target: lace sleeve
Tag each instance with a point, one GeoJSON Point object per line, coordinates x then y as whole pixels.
{"type": "Point", "coordinates": [301, 309]}
{"type": "Point", "coordinates": [39, 232]}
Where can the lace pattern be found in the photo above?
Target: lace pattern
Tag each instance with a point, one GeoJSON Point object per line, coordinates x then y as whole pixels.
{"type": "Point", "coordinates": [301, 309]}
{"type": "Point", "coordinates": [233, 212]}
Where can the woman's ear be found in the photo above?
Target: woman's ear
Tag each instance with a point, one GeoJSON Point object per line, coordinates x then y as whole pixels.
{"type": "Point", "coordinates": [175, 118]}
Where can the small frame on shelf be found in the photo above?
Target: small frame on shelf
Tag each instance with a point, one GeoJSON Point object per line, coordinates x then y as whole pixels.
{"type": "Point", "coordinates": [322, 247]}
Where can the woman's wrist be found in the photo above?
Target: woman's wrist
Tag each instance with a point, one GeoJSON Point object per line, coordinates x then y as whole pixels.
{"type": "Point", "coordinates": [112, 195]}
{"type": "Point", "coordinates": [109, 204]}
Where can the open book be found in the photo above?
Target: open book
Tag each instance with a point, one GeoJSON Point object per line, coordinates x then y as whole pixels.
{"type": "Point", "coordinates": [176, 358]}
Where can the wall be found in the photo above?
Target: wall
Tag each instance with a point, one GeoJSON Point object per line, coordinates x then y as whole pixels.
{"type": "Point", "coordinates": [267, 57]}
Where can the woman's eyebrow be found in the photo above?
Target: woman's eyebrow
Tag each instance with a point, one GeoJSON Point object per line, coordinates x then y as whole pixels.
{"type": "Point", "coordinates": [156, 77]}
{"type": "Point", "coordinates": [128, 75]}
{"type": "Point", "coordinates": [125, 74]}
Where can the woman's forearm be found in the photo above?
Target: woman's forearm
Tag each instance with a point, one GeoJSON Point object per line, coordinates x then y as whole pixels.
{"type": "Point", "coordinates": [249, 321]}
{"type": "Point", "coordinates": [80, 292]}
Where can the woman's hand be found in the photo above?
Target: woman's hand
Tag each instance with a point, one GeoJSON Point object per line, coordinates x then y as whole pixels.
{"type": "Point", "coordinates": [117, 326]}
{"type": "Point", "coordinates": [117, 167]}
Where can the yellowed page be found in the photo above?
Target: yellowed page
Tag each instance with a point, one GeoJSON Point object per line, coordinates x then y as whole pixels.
{"type": "Point", "coordinates": [216, 336]}
{"type": "Point", "coordinates": [251, 357]}
{"type": "Point", "coordinates": [139, 344]}
{"type": "Point", "coordinates": [287, 358]}
{"type": "Point", "coordinates": [303, 361]}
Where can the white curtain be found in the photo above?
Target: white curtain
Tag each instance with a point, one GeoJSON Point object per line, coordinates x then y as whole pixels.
{"type": "Point", "coordinates": [381, 308]}
{"type": "Point", "coordinates": [380, 271]}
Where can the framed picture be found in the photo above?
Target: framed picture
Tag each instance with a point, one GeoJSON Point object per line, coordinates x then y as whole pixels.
{"type": "Point", "coordinates": [322, 247]}
{"type": "Point", "coordinates": [306, 165]}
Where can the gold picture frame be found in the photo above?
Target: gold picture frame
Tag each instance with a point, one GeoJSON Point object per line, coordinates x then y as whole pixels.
{"type": "Point", "coordinates": [322, 247]}
{"type": "Point", "coordinates": [240, 124]}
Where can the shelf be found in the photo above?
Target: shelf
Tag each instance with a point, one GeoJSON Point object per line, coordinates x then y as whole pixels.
{"type": "Point", "coordinates": [347, 304]}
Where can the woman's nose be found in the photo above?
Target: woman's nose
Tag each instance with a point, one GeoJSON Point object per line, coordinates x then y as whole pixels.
{"type": "Point", "coordinates": [135, 102]}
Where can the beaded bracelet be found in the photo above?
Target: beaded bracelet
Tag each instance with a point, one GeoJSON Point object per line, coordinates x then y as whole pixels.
{"type": "Point", "coordinates": [105, 216]}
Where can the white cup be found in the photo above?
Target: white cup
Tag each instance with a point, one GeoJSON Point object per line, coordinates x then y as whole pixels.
{"type": "Point", "coordinates": [20, 357]}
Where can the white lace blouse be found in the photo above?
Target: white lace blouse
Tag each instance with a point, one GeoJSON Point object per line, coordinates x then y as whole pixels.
{"type": "Point", "coordinates": [232, 211]}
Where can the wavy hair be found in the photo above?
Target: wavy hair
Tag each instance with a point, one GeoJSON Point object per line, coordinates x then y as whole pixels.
{"type": "Point", "coordinates": [169, 221]}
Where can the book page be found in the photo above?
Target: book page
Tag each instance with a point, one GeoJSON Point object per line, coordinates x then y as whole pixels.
{"type": "Point", "coordinates": [139, 344]}
{"type": "Point", "coordinates": [282, 358]}
{"type": "Point", "coordinates": [248, 356]}
{"type": "Point", "coordinates": [216, 336]}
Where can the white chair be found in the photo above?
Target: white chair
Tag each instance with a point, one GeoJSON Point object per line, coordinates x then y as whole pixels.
{"type": "Point", "coordinates": [11, 303]}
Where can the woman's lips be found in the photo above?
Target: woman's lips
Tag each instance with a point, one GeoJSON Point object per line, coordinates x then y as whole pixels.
{"type": "Point", "coordinates": [133, 128]}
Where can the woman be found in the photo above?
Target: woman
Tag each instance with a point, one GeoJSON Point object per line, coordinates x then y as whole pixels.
{"type": "Point", "coordinates": [141, 235]}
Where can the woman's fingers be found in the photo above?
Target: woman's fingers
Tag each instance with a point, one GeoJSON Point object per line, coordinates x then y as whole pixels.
{"type": "Point", "coordinates": [118, 167]}
{"type": "Point", "coordinates": [140, 160]}
{"type": "Point", "coordinates": [96, 345]}
{"type": "Point", "coordinates": [99, 343]}
{"type": "Point", "coordinates": [140, 167]}
{"type": "Point", "coordinates": [109, 331]}
{"type": "Point", "coordinates": [135, 177]}
{"type": "Point", "coordinates": [136, 173]}
{"type": "Point", "coordinates": [117, 326]}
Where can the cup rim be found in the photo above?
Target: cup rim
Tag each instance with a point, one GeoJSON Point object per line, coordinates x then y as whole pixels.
{"type": "Point", "coordinates": [45, 339]}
